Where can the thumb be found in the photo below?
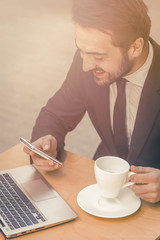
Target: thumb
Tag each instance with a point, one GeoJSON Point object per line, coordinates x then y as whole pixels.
{"type": "Point", "coordinates": [46, 144]}
{"type": "Point", "coordinates": [26, 150]}
{"type": "Point", "coordinates": [141, 169]}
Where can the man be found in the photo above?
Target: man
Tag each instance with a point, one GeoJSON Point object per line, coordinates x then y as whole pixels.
{"type": "Point", "coordinates": [112, 37]}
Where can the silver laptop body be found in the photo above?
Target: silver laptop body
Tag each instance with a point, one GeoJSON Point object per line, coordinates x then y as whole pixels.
{"type": "Point", "coordinates": [44, 209]}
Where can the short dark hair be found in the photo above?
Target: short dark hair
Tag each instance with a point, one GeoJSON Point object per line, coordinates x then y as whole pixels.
{"type": "Point", "coordinates": [127, 20]}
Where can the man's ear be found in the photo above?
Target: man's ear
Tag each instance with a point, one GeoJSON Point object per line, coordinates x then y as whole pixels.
{"type": "Point", "coordinates": [136, 48]}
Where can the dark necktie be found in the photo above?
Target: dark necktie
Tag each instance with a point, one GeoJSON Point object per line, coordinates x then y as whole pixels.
{"type": "Point", "coordinates": [119, 120]}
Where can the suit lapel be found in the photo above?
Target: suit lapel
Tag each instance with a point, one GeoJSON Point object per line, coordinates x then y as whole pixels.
{"type": "Point", "coordinates": [148, 108]}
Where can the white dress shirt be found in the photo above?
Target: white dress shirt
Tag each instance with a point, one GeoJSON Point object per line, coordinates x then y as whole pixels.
{"type": "Point", "coordinates": [134, 86]}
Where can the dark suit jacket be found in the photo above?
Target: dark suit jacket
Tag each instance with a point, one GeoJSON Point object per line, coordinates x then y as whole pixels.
{"type": "Point", "coordinates": [79, 93]}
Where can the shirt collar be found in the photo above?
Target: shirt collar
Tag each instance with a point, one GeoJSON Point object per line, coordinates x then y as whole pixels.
{"type": "Point", "coordinates": [140, 75]}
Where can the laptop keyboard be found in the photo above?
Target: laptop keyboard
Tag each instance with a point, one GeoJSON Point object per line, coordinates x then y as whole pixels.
{"type": "Point", "coordinates": [15, 208]}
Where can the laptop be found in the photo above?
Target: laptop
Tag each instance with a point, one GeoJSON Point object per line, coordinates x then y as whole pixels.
{"type": "Point", "coordinates": [28, 203]}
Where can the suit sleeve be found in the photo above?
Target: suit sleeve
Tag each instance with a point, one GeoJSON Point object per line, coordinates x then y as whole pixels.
{"type": "Point", "coordinates": [65, 109]}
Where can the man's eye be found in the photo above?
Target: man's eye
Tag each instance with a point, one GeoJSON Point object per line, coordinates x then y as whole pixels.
{"type": "Point", "coordinates": [99, 58]}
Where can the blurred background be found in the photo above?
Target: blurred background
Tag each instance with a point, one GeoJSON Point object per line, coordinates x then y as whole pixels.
{"type": "Point", "coordinates": [36, 50]}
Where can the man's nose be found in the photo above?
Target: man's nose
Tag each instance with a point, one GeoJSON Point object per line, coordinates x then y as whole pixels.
{"type": "Point", "coordinates": [88, 62]}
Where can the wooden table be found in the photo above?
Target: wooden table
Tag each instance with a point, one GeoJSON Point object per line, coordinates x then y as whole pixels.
{"type": "Point", "coordinates": [76, 173]}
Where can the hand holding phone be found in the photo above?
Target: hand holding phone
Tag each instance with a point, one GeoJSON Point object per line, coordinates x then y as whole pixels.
{"type": "Point", "coordinates": [39, 152]}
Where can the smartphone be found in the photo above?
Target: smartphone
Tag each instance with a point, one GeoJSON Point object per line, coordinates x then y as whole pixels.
{"type": "Point", "coordinates": [37, 151]}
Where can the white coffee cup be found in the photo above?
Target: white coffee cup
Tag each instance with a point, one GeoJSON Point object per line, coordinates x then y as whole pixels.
{"type": "Point", "coordinates": [112, 174]}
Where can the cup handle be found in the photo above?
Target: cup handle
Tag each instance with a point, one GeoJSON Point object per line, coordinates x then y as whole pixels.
{"type": "Point", "coordinates": [129, 183]}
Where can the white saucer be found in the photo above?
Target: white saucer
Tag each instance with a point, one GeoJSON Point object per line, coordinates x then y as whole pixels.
{"type": "Point", "coordinates": [125, 204]}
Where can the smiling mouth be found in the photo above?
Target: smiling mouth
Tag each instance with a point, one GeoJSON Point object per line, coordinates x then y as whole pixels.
{"type": "Point", "coordinates": [98, 72]}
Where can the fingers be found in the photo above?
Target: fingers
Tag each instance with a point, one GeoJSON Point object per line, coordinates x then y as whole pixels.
{"type": "Point", "coordinates": [152, 197]}
{"type": "Point", "coordinates": [26, 150]}
{"type": "Point", "coordinates": [141, 178]}
{"type": "Point", "coordinates": [43, 164]}
{"type": "Point", "coordinates": [147, 192]}
{"type": "Point", "coordinates": [147, 183]}
{"type": "Point", "coordinates": [47, 144]}
{"type": "Point", "coordinates": [141, 169]}
{"type": "Point", "coordinates": [48, 168]}
{"type": "Point", "coordinates": [145, 175]}
{"type": "Point", "coordinates": [139, 189]}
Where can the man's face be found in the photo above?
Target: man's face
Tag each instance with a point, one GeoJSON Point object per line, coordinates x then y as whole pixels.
{"type": "Point", "coordinates": [99, 55]}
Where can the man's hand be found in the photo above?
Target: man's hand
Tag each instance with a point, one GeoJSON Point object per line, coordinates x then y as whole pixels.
{"type": "Point", "coordinates": [47, 144]}
{"type": "Point", "coordinates": [147, 181]}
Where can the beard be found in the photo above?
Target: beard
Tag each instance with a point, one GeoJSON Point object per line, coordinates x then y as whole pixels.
{"type": "Point", "coordinates": [108, 78]}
